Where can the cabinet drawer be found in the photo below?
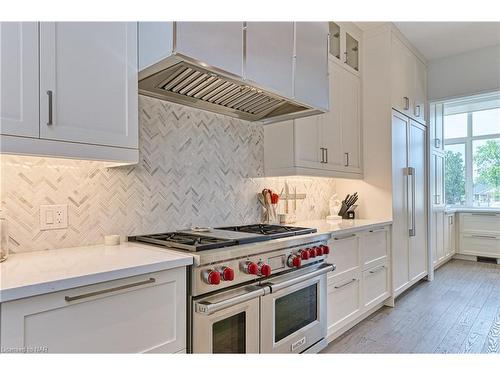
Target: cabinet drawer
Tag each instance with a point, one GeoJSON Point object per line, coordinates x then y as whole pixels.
{"type": "Point", "coordinates": [143, 313]}
{"type": "Point", "coordinates": [482, 245]}
{"type": "Point", "coordinates": [344, 253]}
{"type": "Point", "coordinates": [375, 285]}
{"type": "Point", "coordinates": [374, 249]}
{"type": "Point", "coordinates": [344, 302]}
{"type": "Point", "coordinates": [480, 222]}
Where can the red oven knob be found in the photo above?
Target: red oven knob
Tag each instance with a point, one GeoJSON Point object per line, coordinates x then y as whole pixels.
{"type": "Point", "coordinates": [312, 252]}
{"type": "Point", "coordinates": [250, 268]}
{"type": "Point", "coordinates": [212, 277]}
{"type": "Point", "coordinates": [304, 254]}
{"type": "Point", "coordinates": [326, 249]}
{"type": "Point", "coordinates": [227, 274]}
{"type": "Point", "coordinates": [265, 270]}
{"type": "Point", "coordinates": [319, 251]}
{"type": "Point", "coordinates": [294, 261]}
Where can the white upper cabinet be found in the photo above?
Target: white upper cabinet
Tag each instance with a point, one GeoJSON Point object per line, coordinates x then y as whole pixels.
{"type": "Point", "coordinates": [269, 55]}
{"type": "Point", "coordinates": [311, 65]}
{"type": "Point", "coordinates": [324, 145]}
{"type": "Point", "coordinates": [331, 121]}
{"type": "Point", "coordinates": [350, 117]}
{"type": "Point", "coordinates": [307, 140]}
{"type": "Point", "coordinates": [19, 78]}
{"type": "Point", "coordinates": [409, 81]}
{"type": "Point", "coordinates": [345, 45]}
{"type": "Point", "coordinates": [88, 82]}
{"type": "Point", "coordinates": [219, 44]}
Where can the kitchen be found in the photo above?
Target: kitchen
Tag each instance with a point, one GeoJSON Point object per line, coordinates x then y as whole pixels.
{"type": "Point", "coordinates": [248, 187]}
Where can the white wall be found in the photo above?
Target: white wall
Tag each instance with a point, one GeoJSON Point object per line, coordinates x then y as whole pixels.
{"type": "Point", "coordinates": [464, 74]}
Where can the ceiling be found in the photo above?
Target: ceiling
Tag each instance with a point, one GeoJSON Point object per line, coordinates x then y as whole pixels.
{"type": "Point", "coordinates": [440, 39]}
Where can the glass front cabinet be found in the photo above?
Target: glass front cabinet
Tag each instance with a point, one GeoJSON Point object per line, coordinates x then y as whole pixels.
{"type": "Point", "coordinates": [344, 44]}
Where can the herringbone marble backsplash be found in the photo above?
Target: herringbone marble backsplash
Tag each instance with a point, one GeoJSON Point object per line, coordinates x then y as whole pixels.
{"type": "Point", "coordinates": [196, 168]}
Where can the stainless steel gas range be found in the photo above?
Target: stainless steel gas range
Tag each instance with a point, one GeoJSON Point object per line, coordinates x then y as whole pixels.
{"type": "Point", "coordinates": [255, 288]}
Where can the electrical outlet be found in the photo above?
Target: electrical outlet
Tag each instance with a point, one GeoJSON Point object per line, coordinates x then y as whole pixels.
{"type": "Point", "coordinates": [53, 216]}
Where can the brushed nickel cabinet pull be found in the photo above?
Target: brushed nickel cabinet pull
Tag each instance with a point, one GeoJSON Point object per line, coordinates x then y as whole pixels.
{"type": "Point", "coordinates": [326, 155]}
{"type": "Point", "coordinates": [93, 294]}
{"type": "Point", "coordinates": [346, 163]}
{"type": "Point", "coordinates": [49, 93]}
{"type": "Point", "coordinates": [483, 236]}
{"type": "Point", "coordinates": [377, 230]}
{"type": "Point", "coordinates": [417, 110]}
{"type": "Point", "coordinates": [407, 103]}
{"type": "Point", "coordinates": [345, 284]}
{"type": "Point", "coordinates": [345, 237]}
{"type": "Point", "coordinates": [377, 269]}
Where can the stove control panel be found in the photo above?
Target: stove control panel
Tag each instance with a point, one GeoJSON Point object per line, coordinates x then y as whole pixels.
{"type": "Point", "coordinates": [254, 267]}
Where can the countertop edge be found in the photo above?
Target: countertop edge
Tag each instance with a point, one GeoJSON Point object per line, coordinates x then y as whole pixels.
{"type": "Point", "coordinates": [32, 290]}
{"type": "Point", "coordinates": [356, 228]}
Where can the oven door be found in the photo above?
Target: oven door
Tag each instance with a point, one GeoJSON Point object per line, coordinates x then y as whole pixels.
{"type": "Point", "coordinates": [293, 315]}
{"type": "Point", "coordinates": [227, 322]}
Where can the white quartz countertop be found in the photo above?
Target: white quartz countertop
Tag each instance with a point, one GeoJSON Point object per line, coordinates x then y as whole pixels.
{"type": "Point", "coordinates": [338, 227]}
{"type": "Point", "coordinates": [28, 274]}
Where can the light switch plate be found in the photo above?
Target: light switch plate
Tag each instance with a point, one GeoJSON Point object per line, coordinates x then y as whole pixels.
{"type": "Point", "coordinates": [53, 216]}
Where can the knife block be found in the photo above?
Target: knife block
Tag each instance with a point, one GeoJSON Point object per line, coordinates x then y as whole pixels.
{"type": "Point", "coordinates": [349, 215]}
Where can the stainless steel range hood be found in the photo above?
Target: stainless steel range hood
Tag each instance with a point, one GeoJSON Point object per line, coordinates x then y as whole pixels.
{"type": "Point", "coordinates": [191, 85]}
{"type": "Point", "coordinates": [167, 74]}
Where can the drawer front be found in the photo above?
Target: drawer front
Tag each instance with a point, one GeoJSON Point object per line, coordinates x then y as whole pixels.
{"type": "Point", "coordinates": [482, 245]}
{"type": "Point", "coordinates": [480, 223]}
{"type": "Point", "coordinates": [144, 313]}
{"type": "Point", "coordinates": [375, 285]}
{"type": "Point", "coordinates": [344, 253]}
{"type": "Point", "coordinates": [344, 302]}
{"type": "Point", "coordinates": [374, 249]}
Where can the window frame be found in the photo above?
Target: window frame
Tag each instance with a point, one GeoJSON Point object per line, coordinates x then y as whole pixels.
{"type": "Point", "coordinates": [469, 162]}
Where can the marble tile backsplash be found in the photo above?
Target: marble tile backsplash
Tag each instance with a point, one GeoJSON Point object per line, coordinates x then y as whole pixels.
{"type": "Point", "coordinates": [195, 168]}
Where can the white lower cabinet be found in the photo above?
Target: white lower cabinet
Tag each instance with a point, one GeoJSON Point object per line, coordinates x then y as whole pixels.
{"type": "Point", "coordinates": [145, 313]}
{"type": "Point", "coordinates": [361, 280]}
{"type": "Point", "coordinates": [375, 285]}
{"type": "Point", "coordinates": [344, 301]}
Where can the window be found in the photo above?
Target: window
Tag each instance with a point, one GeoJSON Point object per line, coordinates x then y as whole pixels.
{"type": "Point", "coordinates": [472, 151]}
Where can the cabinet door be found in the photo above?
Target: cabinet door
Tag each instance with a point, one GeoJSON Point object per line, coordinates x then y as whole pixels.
{"type": "Point", "coordinates": [438, 139]}
{"type": "Point", "coordinates": [88, 82]}
{"type": "Point", "coordinates": [311, 65]}
{"type": "Point", "coordinates": [438, 198]}
{"type": "Point", "coordinates": [219, 44]}
{"type": "Point", "coordinates": [432, 236]}
{"type": "Point", "coordinates": [402, 76]}
{"type": "Point", "coordinates": [419, 90]}
{"type": "Point", "coordinates": [375, 285]}
{"type": "Point", "coordinates": [139, 314]}
{"type": "Point", "coordinates": [330, 122]}
{"type": "Point", "coordinates": [399, 202]}
{"type": "Point", "coordinates": [452, 248]}
{"type": "Point", "coordinates": [269, 55]}
{"type": "Point", "coordinates": [343, 302]}
{"type": "Point", "coordinates": [440, 234]}
{"type": "Point", "coordinates": [19, 79]}
{"type": "Point", "coordinates": [418, 201]}
{"type": "Point", "coordinates": [351, 121]}
{"type": "Point", "coordinates": [345, 255]}
{"type": "Point", "coordinates": [307, 142]}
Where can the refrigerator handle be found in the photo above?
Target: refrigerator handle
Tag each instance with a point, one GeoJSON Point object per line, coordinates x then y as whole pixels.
{"type": "Point", "coordinates": [410, 172]}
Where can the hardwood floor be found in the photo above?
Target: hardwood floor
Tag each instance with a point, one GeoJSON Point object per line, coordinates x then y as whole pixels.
{"type": "Point", "coordinates": [459, 312]}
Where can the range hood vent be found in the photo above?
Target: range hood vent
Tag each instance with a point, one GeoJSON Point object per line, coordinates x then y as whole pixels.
{"type": "Point", "coordinates": [191, 85]}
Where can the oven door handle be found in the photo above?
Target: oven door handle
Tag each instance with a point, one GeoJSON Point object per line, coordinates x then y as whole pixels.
{"type": "Point", "coordinates": [207, 308]}
{"type": "Point", "coordinates": [323, 269]}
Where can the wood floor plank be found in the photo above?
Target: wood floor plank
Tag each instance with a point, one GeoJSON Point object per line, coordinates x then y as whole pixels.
{"type": "Point", "coordinates": [459, 312]}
